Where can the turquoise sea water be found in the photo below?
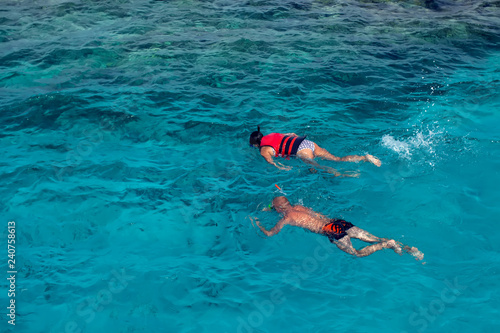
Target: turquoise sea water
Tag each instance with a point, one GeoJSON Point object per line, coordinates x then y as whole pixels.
{"type": "Point", "coordinates": [124, 162]}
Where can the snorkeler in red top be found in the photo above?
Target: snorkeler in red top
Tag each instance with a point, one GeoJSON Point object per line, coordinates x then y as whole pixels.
{"type": "Point", "coordinates": [289, 144]}
{"type": "Point", "coordinates": [338, 231]}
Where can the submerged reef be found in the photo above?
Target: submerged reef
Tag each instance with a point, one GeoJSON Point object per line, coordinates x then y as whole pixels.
{"type": "Point", "coordinates": [430, 4]}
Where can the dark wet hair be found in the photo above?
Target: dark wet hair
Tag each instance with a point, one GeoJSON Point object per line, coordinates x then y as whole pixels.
{"type": "Point", "coordinates": [256, 136]}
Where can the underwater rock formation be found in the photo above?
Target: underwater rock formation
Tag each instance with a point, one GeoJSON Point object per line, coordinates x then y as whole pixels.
{"type": "Point", "coordinates": [430, 4]}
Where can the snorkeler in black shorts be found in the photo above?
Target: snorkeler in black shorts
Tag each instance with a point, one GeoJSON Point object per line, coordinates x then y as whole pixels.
{"type": "Point", "coordinates": [340, 232]}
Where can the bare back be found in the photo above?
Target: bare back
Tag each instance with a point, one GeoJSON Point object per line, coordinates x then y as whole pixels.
{"type": "Point", "coordinates": [306, 218]}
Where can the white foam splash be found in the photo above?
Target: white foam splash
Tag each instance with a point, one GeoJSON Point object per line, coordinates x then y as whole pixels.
{"type": "Point", "coordinates": [400, 147]}
{"type": "Point", "coordinates": [418, 143]}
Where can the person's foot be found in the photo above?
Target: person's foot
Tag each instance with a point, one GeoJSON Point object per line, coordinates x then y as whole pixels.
{"type": "Point", "coordinates": [414, 252]}
{"type": "Point", "coordinates": [373, 159]}
{"type": "Point", "coordinates": [392, 244]}
{"type": "Point", "coordinates": [352, 174]}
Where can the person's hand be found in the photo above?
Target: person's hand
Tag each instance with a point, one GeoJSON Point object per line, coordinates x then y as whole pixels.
{"type": "Point", "coordinates": [373, 159]}
{"type": "Point", "coordinates": [267, 208]}
{"type": "Point", "coordinates": [282, 167]}
{"type": "Point", "coordinates": [257, 222]}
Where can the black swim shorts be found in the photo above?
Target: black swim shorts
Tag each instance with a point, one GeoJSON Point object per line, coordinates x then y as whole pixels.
{"type": "Point", "coordinates": [336, 229]}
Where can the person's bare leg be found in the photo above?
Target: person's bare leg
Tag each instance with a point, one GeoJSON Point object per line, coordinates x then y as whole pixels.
{"type": "Point", "coordinates": [345, 245]}
{"type": "Point", "coordinates": [307, 156]}
{"type": "Point", "coordinates": [325, 154]}
{"type": "Point", "coordinates": [365, 236]}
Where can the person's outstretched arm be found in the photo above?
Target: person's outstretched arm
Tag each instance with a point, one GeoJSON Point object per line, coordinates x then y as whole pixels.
{"type": "Point", "coordinates": [274, 230]}
{"type": "Point", "coordinates": [268, 156]}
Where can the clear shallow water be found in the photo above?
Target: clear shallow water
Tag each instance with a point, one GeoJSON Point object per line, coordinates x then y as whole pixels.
{"type": "Point", "coordinates": [125, 163]}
